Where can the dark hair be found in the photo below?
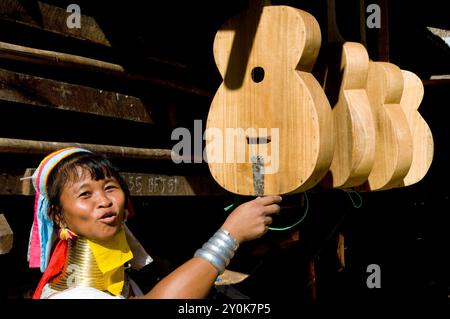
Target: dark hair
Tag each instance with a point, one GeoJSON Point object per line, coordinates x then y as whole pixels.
{"type": "Point", "coordinates": [66, 171]}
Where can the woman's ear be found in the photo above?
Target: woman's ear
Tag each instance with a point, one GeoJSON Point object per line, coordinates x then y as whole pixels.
{"type": "Point", "coordinates": [55, 214]}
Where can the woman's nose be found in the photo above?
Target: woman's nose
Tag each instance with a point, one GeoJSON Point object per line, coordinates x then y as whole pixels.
{"type": "Point", "coordinates": [103, 200]}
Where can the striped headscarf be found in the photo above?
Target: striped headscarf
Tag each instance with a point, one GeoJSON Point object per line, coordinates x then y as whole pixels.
{"type": "Point", "coordinates": [42, 234]}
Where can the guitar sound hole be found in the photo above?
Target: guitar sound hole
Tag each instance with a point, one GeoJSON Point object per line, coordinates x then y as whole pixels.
{"type": "Point", "coordinates": [257, 74]}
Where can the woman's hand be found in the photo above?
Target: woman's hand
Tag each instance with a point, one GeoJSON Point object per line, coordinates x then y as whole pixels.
{"type": "Point", "coordinates": [251, 219]}
{"type": "Point", "coordinates": [195, 278]}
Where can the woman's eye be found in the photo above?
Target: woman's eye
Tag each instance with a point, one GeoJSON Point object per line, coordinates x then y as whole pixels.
{"type": "Point", "coordinates": [110, 187]}
{"type": "Point", "coordinates": [85, 194]}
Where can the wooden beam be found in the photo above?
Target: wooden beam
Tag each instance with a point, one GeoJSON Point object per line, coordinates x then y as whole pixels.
{"type": "Point", "coordinates": [51, 18]}
{"type": "Point", "coordinates": [6, 236]}
{"type": "Point", "coordinates": [28, 89]}
{"type": "Point", "coordinates": [18, 146]}
{"type": "Point", "coordinates": [13, 52]}
{"type": "Point", "coordinates": [140, 184]}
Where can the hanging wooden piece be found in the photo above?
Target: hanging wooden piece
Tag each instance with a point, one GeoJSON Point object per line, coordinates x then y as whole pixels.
{"type": "Point", "coordinates": [423, 146]}
{"type": "Point", "coordinates": [354, 126]}
{"type": "Point", "coordinates": [393, 149]}
{"type": "Point", "coordinates": [270, 125]}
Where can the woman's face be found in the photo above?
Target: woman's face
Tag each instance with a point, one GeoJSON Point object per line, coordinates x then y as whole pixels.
{"type": "Point", "coordinates": [93, 208]}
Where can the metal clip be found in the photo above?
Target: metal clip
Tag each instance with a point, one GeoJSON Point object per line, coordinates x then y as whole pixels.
{"type": "Point", "coordinates": [258, 174]}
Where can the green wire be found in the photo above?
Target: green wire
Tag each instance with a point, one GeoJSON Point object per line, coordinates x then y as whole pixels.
{"type": "Point", "coordinates": [349, 191]}
{"type": "Point", "coordinates": [236, 202]}
{"type": "Point", "coordinates": [228, 207]}
{"type": "Point", "coordinates": [299, 221]}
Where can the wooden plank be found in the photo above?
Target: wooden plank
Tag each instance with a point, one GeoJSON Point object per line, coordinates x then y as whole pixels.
{"type": "Point", "coordinates": [140, 184]}
{"type": "Point", "coordinates": [436, 81]}
{"type": "Point", "coordinates": [51, 18]}
{"type": "Point", "coordinates": [28, 89]}
{"type": "Point", "coordinates": [18, 146]}
{"type": "Point", "coordinates": [13, 52]}
{"type": "Point", "coordinates": [6, 236]}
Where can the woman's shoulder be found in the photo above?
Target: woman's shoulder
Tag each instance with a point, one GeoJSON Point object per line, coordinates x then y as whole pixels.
{"type": "Point", "coordinates": [76, 293]}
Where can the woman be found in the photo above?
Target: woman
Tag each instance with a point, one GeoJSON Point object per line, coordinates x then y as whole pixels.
{"type": "Point", "coordinates": [82, 194]}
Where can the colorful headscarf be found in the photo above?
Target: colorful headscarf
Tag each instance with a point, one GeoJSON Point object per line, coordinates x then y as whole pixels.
{"type": "Point", "coordinates": [42, 234]}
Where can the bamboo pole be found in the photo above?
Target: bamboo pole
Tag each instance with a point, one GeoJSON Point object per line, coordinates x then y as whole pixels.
{"type": "Point", "coordinates": [37, 56]}
{"type": "Point", "coordinates": [19, 146]}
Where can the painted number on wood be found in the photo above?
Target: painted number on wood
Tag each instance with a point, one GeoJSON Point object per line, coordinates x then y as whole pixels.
{"type": "Point", "coordinates": [146, 184]}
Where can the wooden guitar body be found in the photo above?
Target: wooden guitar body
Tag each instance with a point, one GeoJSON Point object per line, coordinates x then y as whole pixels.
{"type": "Point", "coordinates": [423, 146]}
{"type": "Point", "coordinates": [354, 124]}
{"type": "Point", "coordinates": [393, 149]}
{"type": "Point", "coordinates": [269, 103]}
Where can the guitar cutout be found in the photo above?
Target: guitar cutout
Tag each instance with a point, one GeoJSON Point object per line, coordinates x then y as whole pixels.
{"type": "Point", "coordinates": [270, 126]}
{"type": "Point", "coordinates": [423, 146]}
{"type": "Point", "coordinates": [393, 146]}
{"type": "Point", "coordinates": [354, 125]}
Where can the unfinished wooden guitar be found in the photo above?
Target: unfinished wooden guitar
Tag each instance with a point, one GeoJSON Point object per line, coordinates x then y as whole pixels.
{"type": "Point", "coordinates": [354, 124]}
{"type": "Point", "coordinates": [423, 146]}
{"type": "Point", "coordinates": [270, 125]}
{"type": "Point", "coordinates": [393, 149]}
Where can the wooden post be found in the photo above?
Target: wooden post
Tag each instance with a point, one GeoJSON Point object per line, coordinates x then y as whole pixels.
{"type": "Point", "coordinates": [6, 236]}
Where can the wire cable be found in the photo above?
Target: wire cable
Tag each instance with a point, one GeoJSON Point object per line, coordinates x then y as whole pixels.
{"type": "Point", "coordinates": [297, 222]}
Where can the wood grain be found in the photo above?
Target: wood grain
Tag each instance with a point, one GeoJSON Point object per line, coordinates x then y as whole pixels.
{"type": "Point", "coordinates": [284, 43]}
{"type": "Point", "coordinates": [32, 90]}
{"type": "Point", "coordinates": [423, 145]}
{"type": "Point", "coordinates": [393, 150]}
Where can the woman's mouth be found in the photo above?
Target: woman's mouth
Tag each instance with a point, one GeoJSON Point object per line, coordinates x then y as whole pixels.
{"type": "Point", "coordinates": [109, 218]}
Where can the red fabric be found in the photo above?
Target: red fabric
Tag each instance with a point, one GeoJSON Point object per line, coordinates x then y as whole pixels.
{"type": "Point", "coordinates": [54, 268]}
{"type": "Point", "coordinates": [34, 257]}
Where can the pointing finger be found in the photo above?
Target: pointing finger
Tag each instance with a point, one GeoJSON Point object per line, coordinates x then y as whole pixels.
{"type": "Point", "coordinates": [270, 199]}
